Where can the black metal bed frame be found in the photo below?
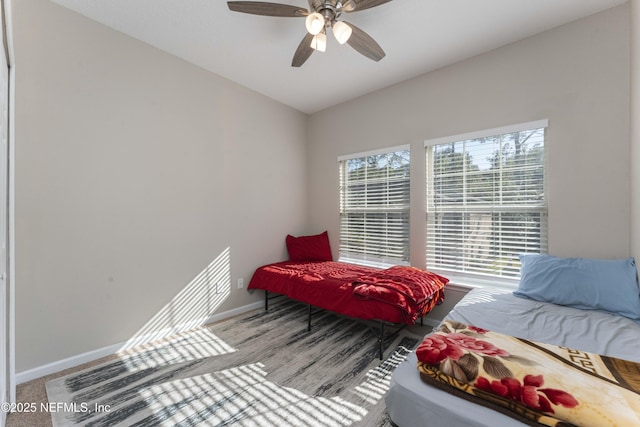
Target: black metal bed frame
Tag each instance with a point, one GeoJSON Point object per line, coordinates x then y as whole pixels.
{"type": "Point", "coordinates": [381, 338]}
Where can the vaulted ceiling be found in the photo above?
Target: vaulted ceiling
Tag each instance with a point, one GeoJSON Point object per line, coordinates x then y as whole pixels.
{"type": "Point", "coordinates": [418, 36]}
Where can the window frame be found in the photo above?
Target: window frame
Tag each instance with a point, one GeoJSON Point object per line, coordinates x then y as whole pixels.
{"type": "Point", "coordinates": [364, 259]}
{"type": "Point", "coordinates": [471, 279]}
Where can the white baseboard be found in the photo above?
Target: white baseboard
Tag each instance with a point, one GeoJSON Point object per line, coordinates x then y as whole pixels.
{"type": "Point", "coordinates": [70, 362]}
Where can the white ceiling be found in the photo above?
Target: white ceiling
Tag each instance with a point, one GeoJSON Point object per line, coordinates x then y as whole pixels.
{"type": "Point", "coordinates": [256, 51]}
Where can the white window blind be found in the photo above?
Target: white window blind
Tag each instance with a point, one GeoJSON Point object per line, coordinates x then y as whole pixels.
{"type": "Point", "coordinates": [486, 201]}
{"type": "Point", "coordinates": [374, 207]}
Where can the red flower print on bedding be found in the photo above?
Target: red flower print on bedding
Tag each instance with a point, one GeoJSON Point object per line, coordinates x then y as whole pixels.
{"type": "Point", "coordinates": [478, 330]}
{"type": "Point", "coordinates": [528, 392]}
{"type": "Point", "coordinates": [435, 348]}
{"type": "Point", "coordinates": [475, 345]}
{"type": "Point", "coordinates": [460, 356]}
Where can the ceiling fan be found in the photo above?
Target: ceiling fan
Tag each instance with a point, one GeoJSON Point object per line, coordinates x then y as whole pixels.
{"type": "Point", "coordinates": [321, 16]}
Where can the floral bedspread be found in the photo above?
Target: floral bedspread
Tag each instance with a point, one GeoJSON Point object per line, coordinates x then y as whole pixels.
{"type": "Point", "coordinates": [537, 383]}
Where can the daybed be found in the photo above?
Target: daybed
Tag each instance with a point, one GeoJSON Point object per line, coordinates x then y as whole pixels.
{"type": "Point", "coordinates": [395, 296]}
{"type": "Point", "coordinates": [597, 328]}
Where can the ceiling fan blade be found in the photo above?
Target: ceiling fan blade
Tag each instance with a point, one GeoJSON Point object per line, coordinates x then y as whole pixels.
{"type": "Point", "coordinates": [356, 5]}
{"type": "Point", "coordinates": [365, 44]}
{"type": "Point", "coordinates": [267, 9]}
{"type": "Point", "coordinates": [303, 52]}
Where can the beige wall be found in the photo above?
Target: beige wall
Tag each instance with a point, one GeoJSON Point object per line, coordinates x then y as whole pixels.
{"type": "Point", "coordinates": [134, 171]}
{"type": "Point", "coordinates": [577, 76]}
{"type": "Point", "coordinates": [635, 127]}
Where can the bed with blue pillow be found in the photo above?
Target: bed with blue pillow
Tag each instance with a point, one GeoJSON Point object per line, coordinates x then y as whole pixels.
{"type": "Point", "coordinates": [583, 304]}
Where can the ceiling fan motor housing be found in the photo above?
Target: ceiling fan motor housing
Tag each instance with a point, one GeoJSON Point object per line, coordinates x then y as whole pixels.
{"type": "Point", "coordinates": [329, 9]}
{"type": "Point", "coordinates": [319, 4]}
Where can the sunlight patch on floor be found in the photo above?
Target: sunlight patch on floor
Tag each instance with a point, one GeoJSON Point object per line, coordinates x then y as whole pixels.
{"type": "Point", "coordinates": [241, 396]}
{"type": "Point", "coordinates": [378, 379]}
{"type": "Point", "coordinates": [184, 347]}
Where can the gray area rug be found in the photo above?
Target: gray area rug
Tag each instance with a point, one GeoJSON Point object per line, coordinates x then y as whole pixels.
{"type": "Point", "coordinates": [260, 369]}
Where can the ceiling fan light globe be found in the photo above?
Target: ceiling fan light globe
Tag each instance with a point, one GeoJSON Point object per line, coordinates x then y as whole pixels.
{"type": "Point", "coordinates": [341, 32]}
{"type": "Point", "coordinates": [314, 23]}
{"type": "Point", "coordinates": [319, 42]}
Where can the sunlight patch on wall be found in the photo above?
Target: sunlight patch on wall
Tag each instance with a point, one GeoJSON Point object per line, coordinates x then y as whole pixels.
{"type": "Point", "coordinates": [192, 306]}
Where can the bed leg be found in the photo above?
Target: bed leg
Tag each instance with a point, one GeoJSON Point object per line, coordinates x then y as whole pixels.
{"type": "Point", "coordinates": [422, 321]}
{"type": "Point", "coordinates": [309, 321]}
{"type": "Point", "coordinates": [266, 300]}
{"type": "Point", "coordinates": [381, 338]}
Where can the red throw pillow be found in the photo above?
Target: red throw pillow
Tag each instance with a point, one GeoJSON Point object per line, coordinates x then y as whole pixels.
{"type": "Point", "coordinates": [309, 248]}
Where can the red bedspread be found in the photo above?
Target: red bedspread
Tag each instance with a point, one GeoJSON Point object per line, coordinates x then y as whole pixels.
{"type": "Point", "coordinates": [331, 285]}
{"type": "Point", "coordinates": [412, 290]}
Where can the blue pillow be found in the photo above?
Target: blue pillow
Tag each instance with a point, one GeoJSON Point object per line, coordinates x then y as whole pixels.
{"type": "Point", "coordinates": [597, 284]}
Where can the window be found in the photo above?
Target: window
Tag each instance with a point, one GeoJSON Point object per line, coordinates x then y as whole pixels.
{"type": "Point", "coordinates": [374, 207]}
{"type": "Point", "coordinates": [485, 201]}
